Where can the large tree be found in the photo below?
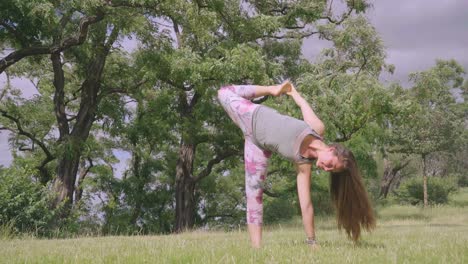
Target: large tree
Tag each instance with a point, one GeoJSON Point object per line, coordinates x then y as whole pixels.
{"type": "Point", "coordinates": [221, 42]}
{"type": "Point", "coordinates": [429, 119]}
{"type": "Point", "coordinates": [64, 47]}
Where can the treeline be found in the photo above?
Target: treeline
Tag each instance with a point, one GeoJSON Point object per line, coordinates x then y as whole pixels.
{"type": "Point", "coordinates": [96, 102]}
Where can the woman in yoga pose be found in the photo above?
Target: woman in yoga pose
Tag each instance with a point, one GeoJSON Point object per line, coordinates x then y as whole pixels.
{"type": "Point", "coordinates": [300, 141]}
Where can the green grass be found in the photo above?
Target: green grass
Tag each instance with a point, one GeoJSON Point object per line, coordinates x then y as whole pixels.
{"type": "Point", "coordinates": [405, 234]}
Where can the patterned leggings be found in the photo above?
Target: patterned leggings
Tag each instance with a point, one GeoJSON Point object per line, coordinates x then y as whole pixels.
{"type": "Point", "coordinates": [240, 110]}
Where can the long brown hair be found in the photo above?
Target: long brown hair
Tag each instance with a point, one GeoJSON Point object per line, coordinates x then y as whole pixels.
{"type": "Point", "coordinates": [349, 195]}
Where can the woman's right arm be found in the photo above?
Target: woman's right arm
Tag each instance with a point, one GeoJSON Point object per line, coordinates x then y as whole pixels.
{"type": "Point", "coordinates": [305, 201]}
{"type": "Point", "coordinates": [307, 113]}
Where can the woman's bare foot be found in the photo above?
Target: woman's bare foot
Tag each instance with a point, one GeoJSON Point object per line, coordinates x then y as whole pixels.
{"type": "Point", "coordinates": [283, 88]}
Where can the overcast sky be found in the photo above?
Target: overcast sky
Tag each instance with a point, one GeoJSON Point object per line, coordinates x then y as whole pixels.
{"type": "Point", "coordinates": [415, 34]}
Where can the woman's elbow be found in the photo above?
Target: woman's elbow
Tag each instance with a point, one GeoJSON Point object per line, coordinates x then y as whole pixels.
{"type": "Point", "coordinates": [320, 129]}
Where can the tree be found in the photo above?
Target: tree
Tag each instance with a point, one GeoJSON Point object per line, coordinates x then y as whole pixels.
{"type": "Point", "coordinates": [78, 38]}
{"type": "Point", "coordinates": [428, 120]}
{"type": "Point", "coordinates": [223, 42]}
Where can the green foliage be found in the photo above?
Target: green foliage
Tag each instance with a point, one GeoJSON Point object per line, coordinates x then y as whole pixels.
{"type": "Point", "coordinates": [320, 194]}
{"type": "Point", "coordinates": [438, 189]}
{"type": "Point", "coordinates": [428, 119]}
{"type": "Point", "coordinates": [24, 203]}
{"type": "Point", "coordinates": [223, 197]}
{"type": "Point", "coordinates": [462, 179]}
{"type": "Point", "coordinates": [277, 210]}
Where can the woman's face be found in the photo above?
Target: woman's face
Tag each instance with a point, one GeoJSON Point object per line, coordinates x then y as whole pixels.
{"type": "Point", "coordinates": [328, 161]}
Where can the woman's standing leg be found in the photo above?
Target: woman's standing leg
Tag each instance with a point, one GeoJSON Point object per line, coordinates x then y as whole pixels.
{"type": "Point", "coordinates": [256, 163]}
{"type": "Point", "coordinates": [240, 110]}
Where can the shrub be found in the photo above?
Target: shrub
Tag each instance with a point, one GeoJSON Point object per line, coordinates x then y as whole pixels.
{"type": "Point", "coordinates": [24, 203]}
{"type": "Point", "coordinates": [462, 179]}
{"type": "Point", "coordinates": [320, 192]}
{"type": "Point", "coordinates": [438, 190]}
{"type": "Point", "coordinates": [287, 206]}
{"type": "Point", "coordinates": [279, 209]}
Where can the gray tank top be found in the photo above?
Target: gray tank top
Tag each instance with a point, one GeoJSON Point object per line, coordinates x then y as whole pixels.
{"type": "Point", "coordinates": [280, 133]}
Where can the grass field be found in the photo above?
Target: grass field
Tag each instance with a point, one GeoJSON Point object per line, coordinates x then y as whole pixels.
{"type": "Point", "coordinates": [404, 234]}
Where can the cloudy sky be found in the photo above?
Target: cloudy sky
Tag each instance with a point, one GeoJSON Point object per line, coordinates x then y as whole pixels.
{"type": "Point", "coordinates": [415, 34]}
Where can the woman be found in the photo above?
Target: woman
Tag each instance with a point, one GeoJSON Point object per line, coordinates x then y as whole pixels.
{"type": "Point", "coordinates": [266, 131]}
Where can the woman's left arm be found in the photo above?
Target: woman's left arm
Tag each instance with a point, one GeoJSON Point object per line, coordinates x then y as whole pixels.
{"type": "Point", "coordinates": [303, 191]}
{"type": "Point", "coordinates": [307, 113]}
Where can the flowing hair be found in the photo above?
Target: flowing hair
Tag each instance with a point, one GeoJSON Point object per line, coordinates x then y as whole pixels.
{"type": "Point", "coordinates": [349, 196]}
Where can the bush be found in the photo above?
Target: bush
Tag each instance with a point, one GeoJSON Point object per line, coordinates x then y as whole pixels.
{"type": "Point", "coordinates": [278, 209]}
{"type": "Point", "coordinates": [438, 190]}
{"type": "Point", "coordinates": [287, 206]}
{"type": "Point", "coordinates": [462, 180]}
{"type": "Point", "coordinates": [320, 192]}
{"type": "Point", "coordinates": [24, 204]}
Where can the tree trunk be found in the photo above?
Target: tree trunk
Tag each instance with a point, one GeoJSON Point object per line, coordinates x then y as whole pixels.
{"type": "Point", "coordinates": [83, 172]}
{"type": "Point", "coordinates": [139, 188]}
{"type": "Point", "coordinates": [185, 187]}
{"type": "Point", "coordinates": [424, 180]}
{"type": "Point", "coordinates": [64, 184]}
{"type": "Point", "coordinates": [67, 168]}
{"type": "Point", "coordinates": [391, 175]}
{"type": "Point", "coordinates": [387, 179]}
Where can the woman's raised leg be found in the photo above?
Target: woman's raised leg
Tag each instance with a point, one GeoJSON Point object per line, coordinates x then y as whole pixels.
{"type": "Point", "coordinates": [234, 101]}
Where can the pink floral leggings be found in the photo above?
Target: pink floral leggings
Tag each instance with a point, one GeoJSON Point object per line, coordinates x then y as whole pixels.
{"type": "Point", "coordinates": [234, 100]}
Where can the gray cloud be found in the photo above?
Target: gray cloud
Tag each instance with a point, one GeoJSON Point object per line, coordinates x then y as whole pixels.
{"type": "Point", "coordinates": [421, 23]}
{"type": "Point", "coordinates": [417, 32]}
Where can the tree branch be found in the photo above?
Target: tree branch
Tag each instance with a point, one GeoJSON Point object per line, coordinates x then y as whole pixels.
{"type": "Point", "coordinates": [279, 194]}
{"type": "Point", "coordinates": [293, 36]}
{"type": "Point", "coordinates": [111, 90]}
{"type": "Point", "coordinates": [193, 102]}
{"type": "Point", "coordinates": [21, 131]}
{"type": "Point", "coordinates": [83, 174]}
{"type": "Point", "coordinates": [362, 66]}
{"type": "Point", "coordinates": [49, 157]}
{"type": "Point", "coordinates": [59, 104]}
{"type": "Point", "coordinates": [16, 56]}
{"type": "Point", "coordinates": [24, 148]}
{"type": "Point", "coordinates": [177, 32]}
{"type": "Point", "coordinates": [343, 18]}
{"type": "Point", "coordinates": [82, 33]}
{"type": "Point", "coordinates": [209, 167]}
{"type": "Point", "coordinates": [267, 192]}
{"type": "Point", "coordinates": [112, 38]}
